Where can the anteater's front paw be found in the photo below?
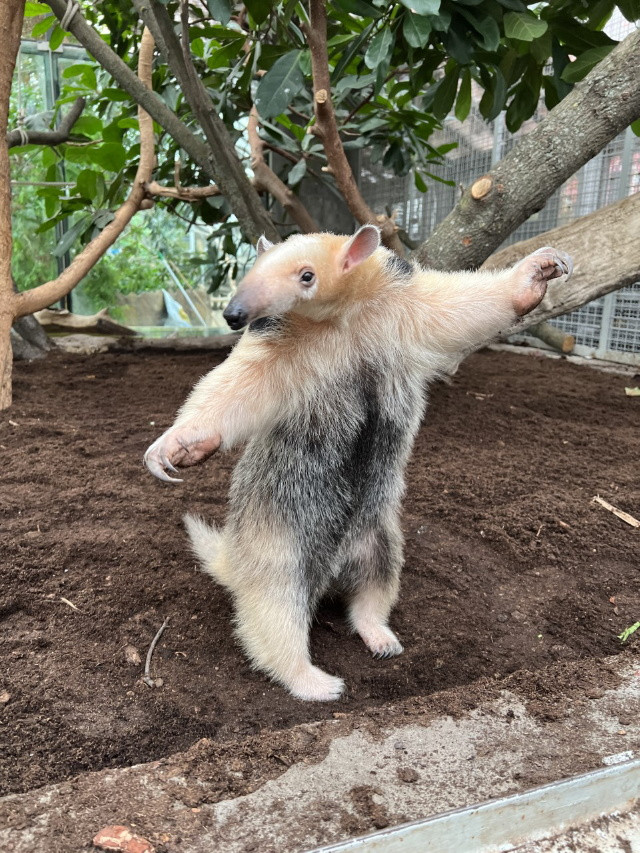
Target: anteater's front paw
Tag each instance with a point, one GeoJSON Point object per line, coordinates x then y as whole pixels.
{"type": "Point", "coordinates": [179, 447]}
{"type": "Point", "coordinates": [532, 275]}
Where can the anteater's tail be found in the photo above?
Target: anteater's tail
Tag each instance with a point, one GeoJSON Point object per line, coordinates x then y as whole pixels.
{"type": "Point", "coordinates": [207, 545]}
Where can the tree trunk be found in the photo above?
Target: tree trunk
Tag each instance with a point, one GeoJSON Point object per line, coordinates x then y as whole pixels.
{"type": "Point", "coordinates": [599, 108]}
{"type": "Point", "coordinates": [606, 252]}
{"type": "Point", "coordinates": [11, 16]}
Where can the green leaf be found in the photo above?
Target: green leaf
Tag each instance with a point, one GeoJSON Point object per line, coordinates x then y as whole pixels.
{"type": "Point", "coordinates": [416, 29]}
{"type": "Point", "coordinates": [56, 38]}
{"type": "Point", "coordinates": [49, 157]}
{"type": "Point", "coordinates": [87, 184]}
{"type": "Point", "coordinates": [523, 104]}
{"type": "Point", "coordinates": [628, 632]}
{"type": "Point", "coordinates": [111, 156]}
{"type": "Point", "coordinates": [420, 182]}
{"type": "Point", "coordinates": [359, 7]}
{"type": "Point", "coordinates": [101, 218]}
{"type": "Point", "coordinates": [373, 123]}
{"type": "Point", "coordinates": [221, 57]}
{"type": "Point", "coordinates": [635, 127]}
{"type": "Point", "coordinates": [422, 7]}
{"type": "Point", "coordinates": [486, 26]}
{"type": "Point", "coordinates": [75, 70]}
{"type": "Point", "coordinates": [463, 102]}
{"type": "Point", "coordinates": [77, 154]}
{"type": "Point", "coordinates": [280, 85]}
{"type": "Point", "coordinates": [259, 10]}
{"type": "Point", "coordinates": [220, 10]}
{"type": "Point", "coordinates": [457, 42]}
{"type": "Point", "coordinates": [600, 12]}
{"type": "Point", "coordinates": [379, 49]}
{"type": "Point", "coordinates": [585, 62]}
{"type": "Point", "coordinates": [51, 206]}
{"type": "Point", "coordinates": [87, 126]}
{"type": "Point", "coordinates": [33, 9]}
{"type": "Point", "coordinates": [41, 27]}
{"type": "Point", "coordinates": [352, 82]}
{"type": "Point", "coordinates": [630, 9]}
{"type": "Point", "coordinates": [69, 237]}
{"type": "Point", "coordinates": [445, 94]}
{"type": "Point", "coordinates": [297, 173]}
{"type": "Point", "coordinates": [114, 94]}
{"type": "Point", "coordinates": [493, 100]}
{"type": "Point", "coordinates": [523, 26]}
{"type": "Point", "coordinates": [350, 52]}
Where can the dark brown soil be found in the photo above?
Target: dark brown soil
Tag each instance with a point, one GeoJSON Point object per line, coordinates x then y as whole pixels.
{"type": "Point", "coordinates": [509, 566]}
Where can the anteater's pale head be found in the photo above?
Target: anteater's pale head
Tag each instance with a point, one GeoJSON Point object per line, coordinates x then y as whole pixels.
{"type": "Point", "coordinates": [308, 274]}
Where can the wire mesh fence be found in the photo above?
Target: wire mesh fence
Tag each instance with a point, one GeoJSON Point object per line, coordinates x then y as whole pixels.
{"type": "Point", "coordinates": [608, 327]}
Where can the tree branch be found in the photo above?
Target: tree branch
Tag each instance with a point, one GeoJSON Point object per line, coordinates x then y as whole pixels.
{"type": "Point", "coordinates": [191, 194]}
{"type": "Point", "coordinates": [48, 137]}
{"type": "Point", "coordinates": [228, 172]}
{"type": "Point", "coordinates": [11, 17]}
{"type": "Point", "coordinates": [157, 109]}
{"type": "Point", "coordinates": [598, 108]}
{"type": "Point", "coordinates": [606, 251]}
{"type": "Point", "coordinates": [267, 180]}
{"type": "Point", "coordinates": [326, 128]}
{"type": "Point", "coordinates": [34, 300]}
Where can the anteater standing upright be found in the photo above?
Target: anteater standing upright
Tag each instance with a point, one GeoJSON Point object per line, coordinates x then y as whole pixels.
{"type": "Point", "coordinates": [326, 387]}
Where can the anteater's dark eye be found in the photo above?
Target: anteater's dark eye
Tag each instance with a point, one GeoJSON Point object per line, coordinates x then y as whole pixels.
{"type": "Point", "coordinates": [307, 277]}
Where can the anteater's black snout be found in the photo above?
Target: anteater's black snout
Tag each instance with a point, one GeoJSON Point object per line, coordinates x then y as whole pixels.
{"type": "Point", "coordinates": [235, 315]}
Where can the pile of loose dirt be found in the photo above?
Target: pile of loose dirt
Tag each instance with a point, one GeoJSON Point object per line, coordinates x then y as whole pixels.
{"type": "Point", "coordinates": [509, 566]}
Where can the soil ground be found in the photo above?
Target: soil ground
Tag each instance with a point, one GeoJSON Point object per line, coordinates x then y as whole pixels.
{"type": "Point", "coordinates": [512, 574]}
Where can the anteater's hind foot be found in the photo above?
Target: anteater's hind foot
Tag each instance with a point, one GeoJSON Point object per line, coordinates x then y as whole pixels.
{"type": "Point", "coordinates": [314, 685]}
{"type": "Point", "coordinates": [273, 628]}
{"type": "Point", "coordinates": [368, 614]}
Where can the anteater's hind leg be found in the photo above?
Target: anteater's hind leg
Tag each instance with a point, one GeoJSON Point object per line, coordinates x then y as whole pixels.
{"type": "Point", "coordinates": [371, 577]}
{"type": "Point", "coordinates": [273, 614]}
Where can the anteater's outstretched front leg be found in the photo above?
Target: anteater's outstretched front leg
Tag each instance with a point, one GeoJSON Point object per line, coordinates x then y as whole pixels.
{"type": "Point", "coordinates": [227, 406]}
{"type": "Point", "coordinates": [463, 310]}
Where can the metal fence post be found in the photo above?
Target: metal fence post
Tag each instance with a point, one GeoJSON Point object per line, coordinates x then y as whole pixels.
{"type": "Point", "coordinates": [609, 301]}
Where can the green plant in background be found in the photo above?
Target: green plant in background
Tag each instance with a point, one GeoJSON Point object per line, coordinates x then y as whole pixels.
{"type": "Point", "coordinates": [397, 70]}
{"type": "Point", "coordinates": [624, 636]}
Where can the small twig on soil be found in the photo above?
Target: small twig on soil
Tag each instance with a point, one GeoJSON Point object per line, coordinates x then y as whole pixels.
{"type": "Point", "coordinates": [624, 516]}
{"type": "Point", "coordinates": [150, 682]}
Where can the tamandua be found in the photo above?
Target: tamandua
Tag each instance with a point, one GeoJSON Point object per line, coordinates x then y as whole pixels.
{"type": "Point", "coordinates": [327, 389]}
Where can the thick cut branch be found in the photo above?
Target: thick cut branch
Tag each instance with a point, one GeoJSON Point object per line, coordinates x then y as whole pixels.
{"type": "Point", "coordinates": [606, 252]}
{"type": "Point", "coordinates": [326, 129]}
{"type": "Point", "coordinates": [228, 172]}
{"type": "Point", "coordinates": [598, 108]}
{"type": "Point", "coordinates": [48, 137]}
{"type": "Point", "coordinates": [267, 180]}
{"type": "Point", "coordinates": [30, 301]}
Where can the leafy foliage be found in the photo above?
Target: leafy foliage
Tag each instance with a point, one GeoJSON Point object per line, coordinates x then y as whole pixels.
{"type": "Point", "coordinates": [397, 71]}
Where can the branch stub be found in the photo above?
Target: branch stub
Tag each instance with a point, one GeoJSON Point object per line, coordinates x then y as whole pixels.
{"type": "Point", "coordinates": [481, 187]}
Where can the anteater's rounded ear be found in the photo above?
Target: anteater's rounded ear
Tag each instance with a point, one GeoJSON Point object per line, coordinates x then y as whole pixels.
{"type": "Point", "coordinates": [363, 244]}
{"type": "Point", "coordinates": [262, 245]}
